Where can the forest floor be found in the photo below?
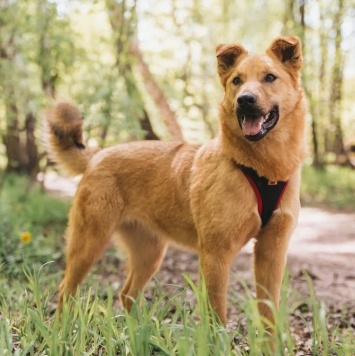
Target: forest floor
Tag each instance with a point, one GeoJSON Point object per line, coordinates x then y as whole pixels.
{"type": "Point", "coordinates": [322, 246]}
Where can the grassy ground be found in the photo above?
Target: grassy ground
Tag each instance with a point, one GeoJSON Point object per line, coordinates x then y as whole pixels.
{"type": "Point", "coordinates": [31, 266]}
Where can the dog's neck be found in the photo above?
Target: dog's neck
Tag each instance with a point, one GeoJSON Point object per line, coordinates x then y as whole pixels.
{"type": "Point", "coordinates": [268, 156]}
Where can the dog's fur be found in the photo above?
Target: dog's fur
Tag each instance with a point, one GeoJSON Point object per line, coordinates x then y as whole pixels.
{"type": "Point", "coordinates": [153, 193]}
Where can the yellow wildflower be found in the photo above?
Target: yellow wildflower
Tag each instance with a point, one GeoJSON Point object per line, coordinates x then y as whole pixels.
{"type": "Point", "coordinates": [26, 237]}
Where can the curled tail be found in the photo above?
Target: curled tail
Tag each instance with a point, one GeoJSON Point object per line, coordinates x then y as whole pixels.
{"type": "Point", "coordinates": [64, 138]}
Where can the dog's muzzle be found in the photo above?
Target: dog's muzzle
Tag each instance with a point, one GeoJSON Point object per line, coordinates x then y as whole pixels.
{"type": "Point", "coordinates": [255, 123]}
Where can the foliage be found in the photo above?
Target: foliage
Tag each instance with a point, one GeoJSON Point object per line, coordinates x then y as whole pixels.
{"type": "Point", "coordinates": [37, 48]}
{"type": "Point", "coordinates": [76, 50]}
{"type": "Point", "coordinates": [332, 187]}
{"type": "Point", "coordinates": [111, 115]}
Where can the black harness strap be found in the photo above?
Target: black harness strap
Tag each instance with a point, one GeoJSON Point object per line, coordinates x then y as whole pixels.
{"type": "Point", "coordinates": [268, 193]}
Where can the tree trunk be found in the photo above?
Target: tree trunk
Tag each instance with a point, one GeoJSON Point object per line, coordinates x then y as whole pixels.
{"type": "Point", "coordinates": [335, 99]}
{"type": "Point", "coordinates": [135, 94]}
{"type": "Point", "coordinates": [157, 94]}
{"type": "Point", "coordinates": [32, 167]}
{"type": "Point", "coordinates": [123, 31]}
{"type": "Point", "coordinates": [323, 77]}
{"type": "Point", "coordinates": [49, 75]}
{"type": "Point", "coordinates": [313, 108]}
{"type": "Point", "coordinates": [21, 148]}
{"type": "Point", "coordinates": [15, 151]}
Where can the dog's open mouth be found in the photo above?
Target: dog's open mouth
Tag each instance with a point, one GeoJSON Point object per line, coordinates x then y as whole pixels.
{"type": "Point", "coordinates": [255, 127]}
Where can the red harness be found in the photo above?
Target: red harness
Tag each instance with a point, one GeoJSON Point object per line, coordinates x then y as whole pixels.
{"type": "Point", "coordinates": [268, 193]}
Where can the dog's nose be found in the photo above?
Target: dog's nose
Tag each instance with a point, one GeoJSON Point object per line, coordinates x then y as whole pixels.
{"type": "Point", "coordinates": [246, 100]}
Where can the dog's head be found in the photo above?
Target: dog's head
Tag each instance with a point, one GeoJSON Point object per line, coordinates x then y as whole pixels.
{"type": "Point", "coordinates": [260, 90]}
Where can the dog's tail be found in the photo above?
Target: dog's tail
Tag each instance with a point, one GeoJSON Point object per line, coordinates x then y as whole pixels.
{"type": "Point", "coordinates": [64, 138]}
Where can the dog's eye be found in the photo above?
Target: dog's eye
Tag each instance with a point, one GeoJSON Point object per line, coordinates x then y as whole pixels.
{"type": "Point", "coordinates": [270, 78]}
{"type": "Point", "coordinates": [237, 81]}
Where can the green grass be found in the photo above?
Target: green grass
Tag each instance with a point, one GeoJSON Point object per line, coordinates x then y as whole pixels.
{"type": "Point", "coordinates": [332, 187]}
{"type": "Point", "coordinates": [42, 215]}
{"type": "Point", "coordinates": [94, 324]}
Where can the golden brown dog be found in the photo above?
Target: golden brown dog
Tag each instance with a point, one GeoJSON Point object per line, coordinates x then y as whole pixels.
{"type": "Point", "coordinates": [153, 193]}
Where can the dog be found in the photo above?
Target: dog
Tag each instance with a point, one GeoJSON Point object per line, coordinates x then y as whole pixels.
{"type": "Point", "coordinates": [212, 198]}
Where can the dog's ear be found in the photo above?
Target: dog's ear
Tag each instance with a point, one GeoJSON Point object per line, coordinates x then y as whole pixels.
{"type": "Point", "coordinates": [288, 50]}
{"type": "Point", "coordinates": [227, 56]}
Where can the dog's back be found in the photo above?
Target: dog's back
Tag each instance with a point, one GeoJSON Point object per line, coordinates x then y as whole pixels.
{"type": "Point", "coordinates": [152, 178]}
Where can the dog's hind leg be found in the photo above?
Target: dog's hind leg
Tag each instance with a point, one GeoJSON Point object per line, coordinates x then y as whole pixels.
{"type": "Point", "coordinates": [96, 209]}
{"type": "Point", "coordinates": [145, 254]}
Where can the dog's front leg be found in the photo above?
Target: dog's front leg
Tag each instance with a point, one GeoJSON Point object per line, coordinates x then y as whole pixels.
{"type": "Point", "coordinates": [270, 260]}
{"type": "Point", "coordinates": [215, 272]}
{"type": "Point", "coordinates": [216, 259]}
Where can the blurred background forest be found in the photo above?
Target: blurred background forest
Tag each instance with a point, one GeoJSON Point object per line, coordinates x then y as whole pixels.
{"type": "Point", "coordinates": [146, 69]}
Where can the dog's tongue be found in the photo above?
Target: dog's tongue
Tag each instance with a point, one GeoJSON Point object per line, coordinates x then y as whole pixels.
{"type": "Point", "coordinates": [252, 126]}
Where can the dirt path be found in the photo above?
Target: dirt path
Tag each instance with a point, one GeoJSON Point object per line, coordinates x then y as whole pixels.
{"type": "Point", "coordinates": [322, 245]}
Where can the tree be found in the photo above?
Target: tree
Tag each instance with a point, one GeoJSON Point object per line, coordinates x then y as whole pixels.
{"type": "Point", "coordinates": [12, 68]}
{"type": "Point", "coordinates": [55, 52]}
{"type": "Point", "coordinates": [135, 65]}
{"type": "Point", "coordinates": [35, 48]}
{"type": "Point", "coordinates": [322, 75]}
{"type": "Point", "coordinates": [157, 94]}
{"type": "Point", "coordinates": [122, 18]}
{"type": "Point", "coordinates": [335, 97]}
